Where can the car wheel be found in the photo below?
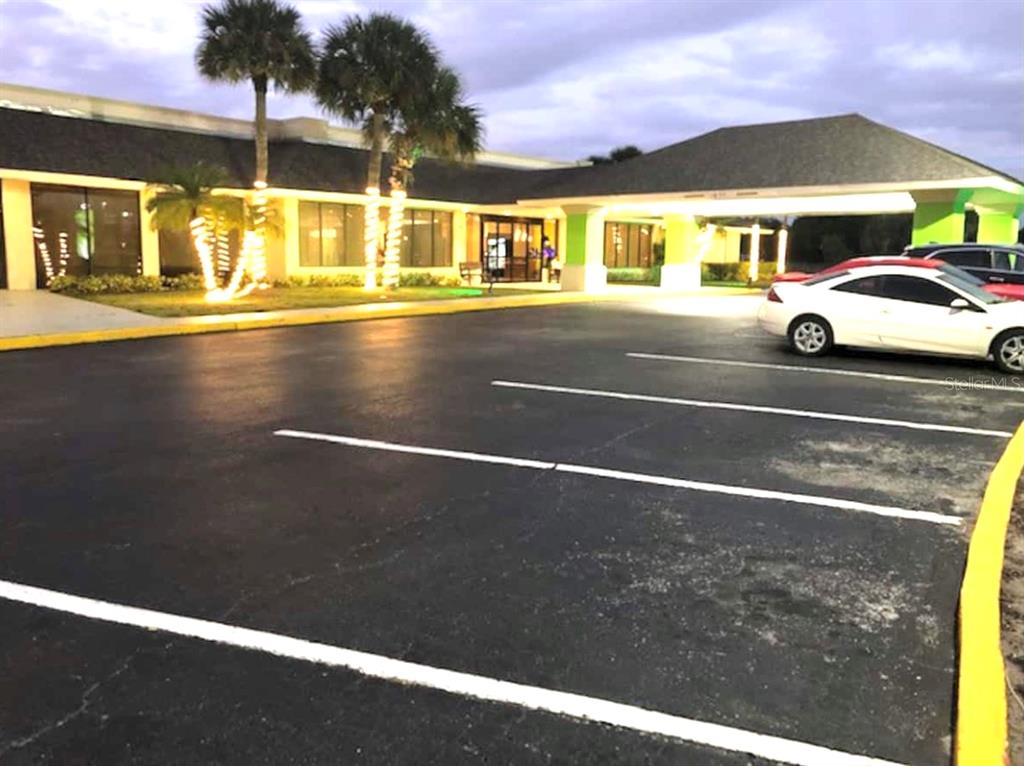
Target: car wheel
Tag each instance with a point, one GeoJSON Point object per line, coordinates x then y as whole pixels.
{"type": "Point", "coordinates": [1008, 351]}
{"type": "Point", "coordinates": [810, 335]}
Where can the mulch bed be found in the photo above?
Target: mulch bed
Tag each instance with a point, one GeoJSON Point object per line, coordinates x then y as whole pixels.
{"type": "Point", "coordinates": [1013, 629]}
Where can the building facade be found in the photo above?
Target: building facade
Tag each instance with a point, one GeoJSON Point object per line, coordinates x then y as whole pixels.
{"type": "Point", "coordinates": [76, 173]}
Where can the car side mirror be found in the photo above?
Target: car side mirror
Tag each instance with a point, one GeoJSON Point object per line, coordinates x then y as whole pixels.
{"type": "Point", "coordinates": [959, 304]}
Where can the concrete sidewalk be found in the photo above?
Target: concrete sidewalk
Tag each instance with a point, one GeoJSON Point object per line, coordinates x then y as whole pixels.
{"type": "Point", "coordinates": [36, 319]}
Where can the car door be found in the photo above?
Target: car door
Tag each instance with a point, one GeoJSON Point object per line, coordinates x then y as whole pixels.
{"type": "Point", "coordinates": [1007, 266]}
{"type": "Point", "coordinates": [853, 308]}
{"type": "Point", "coordinates": [974, 260]}
{"type": "Point", "coordinates": [917, 316]}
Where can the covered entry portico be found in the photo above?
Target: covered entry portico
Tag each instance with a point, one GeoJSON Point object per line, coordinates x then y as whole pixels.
{"type": "Point", "coordinates": [845, 165]}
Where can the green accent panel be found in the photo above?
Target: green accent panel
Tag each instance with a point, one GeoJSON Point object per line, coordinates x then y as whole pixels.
{"type": "Point", "coordinates": [940, 221]}
{"type": "Point", "coordinates": [576, 239]}
{"type": "Point", "coordinates": [680, 239]}
{"type": "Point", "coordinates": [998, 228]}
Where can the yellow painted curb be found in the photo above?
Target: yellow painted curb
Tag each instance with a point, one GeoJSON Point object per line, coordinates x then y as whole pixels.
{"type": "Point", "coordinates": [981, 733]}
{"type": "Point", "coordinates": [356, 313]}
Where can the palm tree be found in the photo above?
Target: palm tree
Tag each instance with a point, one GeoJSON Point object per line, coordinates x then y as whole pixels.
{"type": "Point", "coordinates": [369, 70]}
{"type": "Point", "coordinates": [437, 121]}
{"type": "Point", "coordinates": [261, 41]}
{"type": "Point", "coordinates": [184, 201]}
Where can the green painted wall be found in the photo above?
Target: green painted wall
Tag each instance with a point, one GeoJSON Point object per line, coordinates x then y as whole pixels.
{"type": "Point", "coordinates": [940, 221]}
{"type": "Point", "coordinates": [576, 239]}
{"type": "Point", "coordinates": [998, 228]}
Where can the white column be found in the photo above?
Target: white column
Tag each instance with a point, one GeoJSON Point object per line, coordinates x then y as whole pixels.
{"type": "Point", "coordinates": [781, 243]}
{"type": "Point", "coordinates": [149, 237]}
{"type": "Point", "coordinates": [19, 246]}
{"type": "Point", "coordinates": [755, 251]}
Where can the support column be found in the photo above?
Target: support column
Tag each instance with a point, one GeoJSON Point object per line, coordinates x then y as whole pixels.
{"type": "Point", "coordinates": [755, 253]}
{"type": "Point", "coordinates": [458, 238]}
{"type": "Point", "coordinates": [276, 239]}
{"type": "Point", "coordinates": [782, 248]}
{"type": "Point", "coordinates": [939, 216]}
{"type": "Point", "coordinates": [682, 253]}
{"type": "Point", "coordinates": [584, 249]}
{"type": "Point", "coordinates": [733, 240]}
{"type": "Point", "coordinates": [998, 225]}
{"type": "Point", "coordinates": [19, 246]}
{"type": "Point", "coordinates": [149, 237]}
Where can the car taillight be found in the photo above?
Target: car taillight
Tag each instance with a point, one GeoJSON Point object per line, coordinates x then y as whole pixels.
{"type": "Point", "coordinates": [774, 296]}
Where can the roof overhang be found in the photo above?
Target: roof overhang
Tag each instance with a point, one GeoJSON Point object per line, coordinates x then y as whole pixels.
{"type": "Point", "coordinates": [844, 199]}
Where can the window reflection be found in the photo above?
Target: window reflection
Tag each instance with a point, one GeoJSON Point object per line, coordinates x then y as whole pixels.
{"type": "Point", "coordinates": [82, 232]}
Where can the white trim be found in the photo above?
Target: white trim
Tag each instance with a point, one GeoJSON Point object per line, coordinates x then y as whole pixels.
{"type": "Point", "coordinates": [702, 403]}
{"type": "Point", "coordinates": [479, 687]}
{"type": "Point", "coordinates": [644, 478]}
{"type": "Point", "coordinates": [948, 383]}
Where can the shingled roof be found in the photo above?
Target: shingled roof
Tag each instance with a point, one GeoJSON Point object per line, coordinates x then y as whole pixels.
{"type": "Point", "coordinates": [827, 151]}
{"type": "Point", "coordinates": [831, 151]}
{"type": "Point", "coordinates": [47, 142]}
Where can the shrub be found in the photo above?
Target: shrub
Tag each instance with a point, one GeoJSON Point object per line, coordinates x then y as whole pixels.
{"type": "Point", "coordinates": [109, 283]}
{"type": "Point", "coordinates": [650, 276]}
{"type": "Point", "coordinates": [335, 280]}
{"type": "Point", "coordinates": [724, 272]}
{"type": "Point", "coordinates": [419, 279]}
{"type": "Point", "coordinates": [184, 282]}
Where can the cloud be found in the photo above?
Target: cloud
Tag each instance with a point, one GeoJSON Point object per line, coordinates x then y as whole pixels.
{"type": "Point", "coordinates": [568, 79]}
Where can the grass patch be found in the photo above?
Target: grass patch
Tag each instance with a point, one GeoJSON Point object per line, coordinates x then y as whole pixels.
{"type": "Point", "coordinates": [193, 303]}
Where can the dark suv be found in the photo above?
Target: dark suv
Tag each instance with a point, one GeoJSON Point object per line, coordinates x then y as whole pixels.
{"type": "Point", "coordinates": [993, 263]}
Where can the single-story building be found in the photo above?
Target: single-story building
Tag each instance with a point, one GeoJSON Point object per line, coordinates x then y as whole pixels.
{"type": "Point", "coordinates": [74, 173]}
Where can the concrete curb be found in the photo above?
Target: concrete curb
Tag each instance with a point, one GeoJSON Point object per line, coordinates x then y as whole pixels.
{"type": "Point", "coordinates": [981, 729]}
{"type": "Point", "coordinates": [360, 312]}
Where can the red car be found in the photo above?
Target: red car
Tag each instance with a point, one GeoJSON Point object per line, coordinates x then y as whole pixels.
{"type": "Point", "coordinates": [1008, 291]}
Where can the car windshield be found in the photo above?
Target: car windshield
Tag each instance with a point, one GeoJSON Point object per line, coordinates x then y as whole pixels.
{"type": "Point", "coordinates": [824, 277]}
{"type": "Point", "coordinates": [980, 295]}
{"type": "Point", "coordinates": [956, 271]}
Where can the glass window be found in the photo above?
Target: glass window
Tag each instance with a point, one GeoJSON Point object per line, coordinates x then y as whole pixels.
{"type": "Point", "coordinates": [862, 286]}
{"type": "Point", "coordinates": [330, 234]}
{"type": "Point", "coordinates": [1008, 260]}
{"type": "Point", "coordinates": [309, 234]}
{"type": "Point", "coordinates": [353, 255]}
{"type": "Point", "coordinates": [114, 236]}
{"type": "Point", "coordinates": [916, 290]}
{"type": "Point", "coordinates": [628, 245]}
{"type": "Point", "coordinates": [427, 239]}
{"type": "Point", "coordinates": [973, 258]}
{"type": "Point", "coordinates": [80, 231]}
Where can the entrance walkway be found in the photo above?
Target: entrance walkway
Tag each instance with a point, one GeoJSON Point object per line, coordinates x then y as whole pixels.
{"type": "Point", "coordinates": [34, 319]}
{"type": "Point", "coordinates": [39, 312]}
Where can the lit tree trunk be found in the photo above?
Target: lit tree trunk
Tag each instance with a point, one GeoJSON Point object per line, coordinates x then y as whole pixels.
{"type": "Point", "coordinates": [371, 213]}
{"type": "Point", "coordinates": [201, 242]}
{"type": "Point", "coordinates": [396, 219]}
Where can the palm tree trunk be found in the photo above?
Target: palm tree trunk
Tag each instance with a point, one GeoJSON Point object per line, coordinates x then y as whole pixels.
{"type": "Point", "coordinates": [260, 86]}
{"type": "Point", "coordinates": [396, 222]}
{"type": "Point", "coordinates": [371, 213]}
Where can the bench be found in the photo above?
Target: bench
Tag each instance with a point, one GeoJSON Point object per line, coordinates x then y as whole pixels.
{"type": "Point", "coordinates": [469, 269]}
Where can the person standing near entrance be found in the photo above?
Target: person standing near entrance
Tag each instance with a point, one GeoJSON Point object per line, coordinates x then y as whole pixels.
{"type": "Point", "coordinates": [551, 261]}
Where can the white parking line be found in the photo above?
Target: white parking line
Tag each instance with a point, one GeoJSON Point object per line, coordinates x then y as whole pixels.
{"type": "Point", "coordinates": [947, 382]}
{"type": "Point", "coordinates": [752, 408]}
{"type": "Point", "coordinates": [643, 478]}
{"type": "Point", "coordinates": [451, 681]}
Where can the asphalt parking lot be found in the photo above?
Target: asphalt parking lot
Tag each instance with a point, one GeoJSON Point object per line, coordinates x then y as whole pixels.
{"type": "Point", "coordinates": [786, 566]}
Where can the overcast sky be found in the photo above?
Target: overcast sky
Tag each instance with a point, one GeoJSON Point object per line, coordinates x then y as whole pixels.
{"type": "Point", "coordinates": [568, 79]}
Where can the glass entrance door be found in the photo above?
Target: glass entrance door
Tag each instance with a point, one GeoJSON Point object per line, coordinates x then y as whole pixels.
{"type": "Point", "coordinates": [512, 249]}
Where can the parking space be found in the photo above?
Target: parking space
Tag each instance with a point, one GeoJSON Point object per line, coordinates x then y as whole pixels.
{"type": "Point", "coordinates": [587, 499]}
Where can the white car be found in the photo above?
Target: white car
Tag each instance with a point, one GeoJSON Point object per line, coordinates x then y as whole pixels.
{"type": "Point", "coordinates": [911, 308]}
